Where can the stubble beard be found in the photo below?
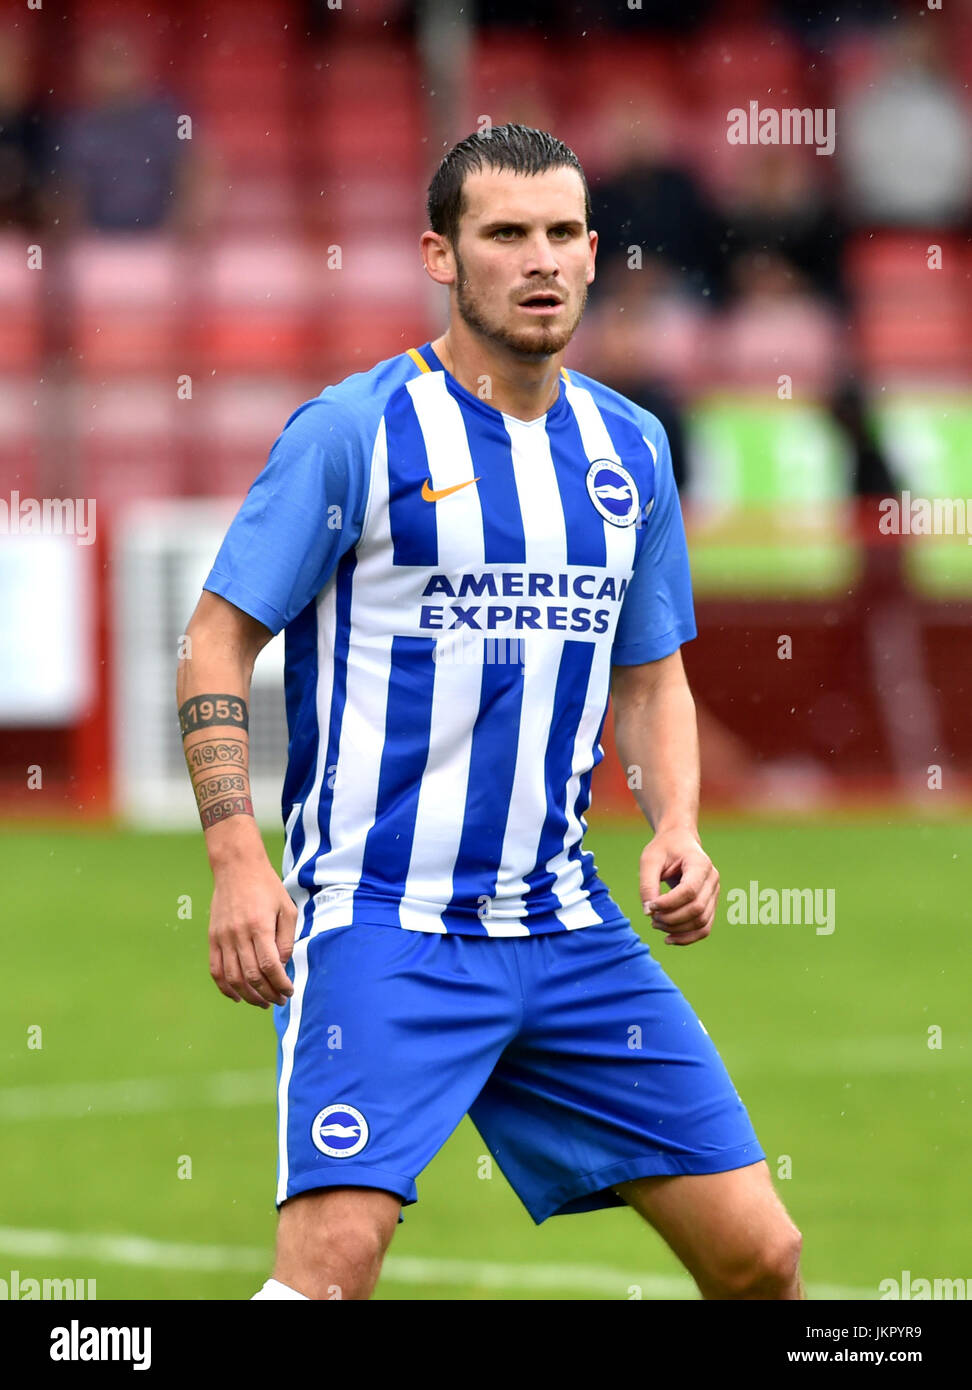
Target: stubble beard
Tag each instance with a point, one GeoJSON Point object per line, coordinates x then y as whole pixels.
{"type": "Point", "coordinates": [533, 344]}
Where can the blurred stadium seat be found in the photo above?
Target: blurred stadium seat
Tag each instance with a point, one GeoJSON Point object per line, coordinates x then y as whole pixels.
{"type": "Point", "coordinates": [231, 424]}
{"type": "Point", "coordinates": [21, 338]}
{"type": "Point", "coordinates": [515, 76]}
{"type": "Point", "coordinates": [912, 319]}
{"type": "Point", "coordinates": [363, 110]}
{"type": "Point", "coordinates": [127, 437]}
{"type": "Point", "coordinates": [20, 431]}
{"type": "Point", "coordinates": [249, 141]}
{"type": "Point", "coordinates": [251, 299]}
{"type": "Point", "coordinates": [127, 295]}
{"type": "Point", "coordinates": [733, 64]}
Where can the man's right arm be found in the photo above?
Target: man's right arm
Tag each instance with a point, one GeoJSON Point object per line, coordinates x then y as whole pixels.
{"type": "Point", "coordinates": [252, 917]}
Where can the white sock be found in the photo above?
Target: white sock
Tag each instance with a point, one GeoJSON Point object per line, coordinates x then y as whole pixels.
{"type": "Point", "coordinates": [274, 1289]}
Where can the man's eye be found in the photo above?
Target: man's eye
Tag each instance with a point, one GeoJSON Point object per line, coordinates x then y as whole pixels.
{"type": "Point", "coordinates": [505, 232]}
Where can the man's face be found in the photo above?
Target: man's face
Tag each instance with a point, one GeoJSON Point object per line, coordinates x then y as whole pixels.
{"type": "Point", "coordinates": [524, 258]}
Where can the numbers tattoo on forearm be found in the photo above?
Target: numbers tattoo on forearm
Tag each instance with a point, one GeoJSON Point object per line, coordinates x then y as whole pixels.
{"type": "Point", "coordinates": [203, 711]}
{"type": "Point", "coordinates": [205, 754]}
{"type": "Point", "coordinates": [222, 810]}
{"type": "Point", "coordinates": [219, 786]}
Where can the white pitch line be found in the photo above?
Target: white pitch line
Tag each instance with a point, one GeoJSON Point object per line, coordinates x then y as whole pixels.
{"type": "Point", "coordinates": [77, 1099]}
{"type": "Point", "coordinates": [144, 1252]}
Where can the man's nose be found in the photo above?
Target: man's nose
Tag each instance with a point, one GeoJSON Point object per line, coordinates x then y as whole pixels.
{"type": "Point", "coordinates": [540, 258]}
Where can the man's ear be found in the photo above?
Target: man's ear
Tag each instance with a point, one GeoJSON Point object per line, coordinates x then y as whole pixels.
{"type": "Point", "coordinates": [438, 258]}
{"type": "Point", "coordinates": [592, 239]}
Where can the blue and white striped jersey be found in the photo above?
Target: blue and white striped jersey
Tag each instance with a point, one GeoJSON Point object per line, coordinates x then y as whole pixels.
{"type": "Point", "coordinates": [455, 584]}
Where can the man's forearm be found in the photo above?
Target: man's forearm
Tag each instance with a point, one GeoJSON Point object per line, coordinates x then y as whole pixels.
{"type": "Point", "coordinates": [213, 701]}
{"type": "Point", "coordinates": [252, 918]}
{"type": "Point", "coordinates": [657, 741]}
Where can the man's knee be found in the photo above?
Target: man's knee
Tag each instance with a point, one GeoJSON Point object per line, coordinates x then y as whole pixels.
{"type": "Point", "coordinates": [331, 1243]}
{"type": "Point", "coordinates": [769, 1270]}
{"type": "Point", "coordinates": [352, 1236]}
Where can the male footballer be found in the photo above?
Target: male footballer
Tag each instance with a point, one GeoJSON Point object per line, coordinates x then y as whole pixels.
{"type": "Point", "coordinates": [469, 547]}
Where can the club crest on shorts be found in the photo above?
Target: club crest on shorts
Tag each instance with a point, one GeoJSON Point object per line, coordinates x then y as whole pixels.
{"type": "Point", "coordinates": [612, 490]}
{"type": "Point", "coordinates": [339, 1131]}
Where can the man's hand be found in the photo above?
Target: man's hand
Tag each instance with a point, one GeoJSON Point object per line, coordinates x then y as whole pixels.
{"type": "Point", "coordinates": [686, 912]}
{"type": "Point", "coordinates": [252, 921]}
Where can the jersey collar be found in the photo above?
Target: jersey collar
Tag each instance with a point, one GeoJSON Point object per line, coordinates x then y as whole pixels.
{"type": "Point", "coordinates": [434, 364]}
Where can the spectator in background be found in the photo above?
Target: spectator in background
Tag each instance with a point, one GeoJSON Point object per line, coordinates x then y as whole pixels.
{"type": "Point", "coordinates": [903, 143]}
{"type": "Point", "coordinates": [644, 337]}
{"type": "Point", "coordinates": [871, 474]}
{"type": "Point", "coordinates": [777, 325]}
{"type": "Point", "coordinates": [120, 166]}
{"type": "Point", "coordinates": [23, 139]}
{"type": "Point", "coordinates": [649, 200]}
{"type": "Point", "coordinates": [780, 205]}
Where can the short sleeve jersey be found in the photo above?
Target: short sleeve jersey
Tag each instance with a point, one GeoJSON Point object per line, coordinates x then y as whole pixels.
{"type": "Point", "coordinates": [455, 585]}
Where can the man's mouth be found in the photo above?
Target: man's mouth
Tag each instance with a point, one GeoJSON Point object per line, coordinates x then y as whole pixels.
{"type": "Point", "coordinates": [541, 303]}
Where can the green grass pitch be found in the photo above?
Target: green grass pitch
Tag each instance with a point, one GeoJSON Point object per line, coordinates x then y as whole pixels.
{"type": "Point", "coordinates": [826, 1038]}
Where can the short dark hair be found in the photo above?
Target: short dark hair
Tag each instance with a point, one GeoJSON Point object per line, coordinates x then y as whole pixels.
{"type": "Point", "coordinates": [516, 147]}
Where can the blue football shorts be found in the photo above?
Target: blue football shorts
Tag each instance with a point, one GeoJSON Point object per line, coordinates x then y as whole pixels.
{"type": "Point", "coordinates": [579, 1061]}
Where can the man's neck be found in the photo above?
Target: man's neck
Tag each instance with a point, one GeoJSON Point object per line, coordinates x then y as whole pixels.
{"type": "Point", "coordinates": [525, 389]}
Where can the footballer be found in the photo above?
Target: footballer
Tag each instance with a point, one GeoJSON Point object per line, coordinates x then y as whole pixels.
{"type": "Point", "coordinates": [469, 548]}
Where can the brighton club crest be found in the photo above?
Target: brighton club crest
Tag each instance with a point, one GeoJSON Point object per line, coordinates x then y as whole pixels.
{"type": "Point", "coordinates": [612, 490]}
{"type": "Point", "coordinates": [339, 1131]}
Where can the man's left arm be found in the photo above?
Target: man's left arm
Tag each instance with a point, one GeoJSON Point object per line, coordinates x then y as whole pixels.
{"type": "Point", "coordinates": [655, 730]}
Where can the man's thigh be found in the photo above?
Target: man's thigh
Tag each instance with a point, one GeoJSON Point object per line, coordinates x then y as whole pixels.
{"type": "Point", "coordinates": [718, 1224]}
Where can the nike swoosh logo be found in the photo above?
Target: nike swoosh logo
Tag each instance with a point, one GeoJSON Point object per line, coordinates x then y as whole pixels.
{"type": "Point", "coordinates": [433, 494]}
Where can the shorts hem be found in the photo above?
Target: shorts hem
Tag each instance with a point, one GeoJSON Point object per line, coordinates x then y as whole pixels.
{"type": "Point", "coordinates": [592, 1192]}
{"type": "Point", "coordinates": [353, 1175]}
